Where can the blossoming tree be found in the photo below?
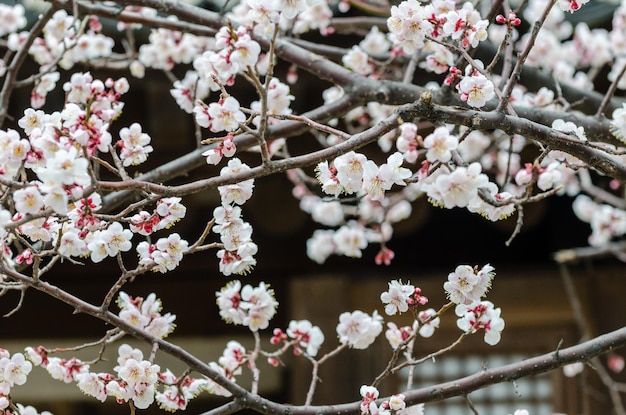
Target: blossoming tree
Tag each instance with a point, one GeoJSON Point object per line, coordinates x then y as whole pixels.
{"type": "Point", "coordinates": [516, 109]}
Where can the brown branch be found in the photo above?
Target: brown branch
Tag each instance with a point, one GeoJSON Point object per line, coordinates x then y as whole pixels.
{"type": "Point", "coordinates": [571, 255]}
{"type": "Point", "coordinates": [480, 120]}
{"type": "Point", "coordinates": [194, 159]}
{"type": "Point", "coordinates": [243, 399]}
{"type": "Point", "coordinates": [272, 167]}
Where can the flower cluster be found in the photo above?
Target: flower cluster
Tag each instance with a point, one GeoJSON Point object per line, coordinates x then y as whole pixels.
{"type": "Point", "coordinates": [65, 370]}
{"type": "Point", "coordinates": [224, 115]}
{"type": "Point", "coordinates": [12, 18]}
{"type": "Point", "coordinates": [166, 47]}
{"type": "Point", "coordinates": [456, 188]}
{"type": "Point", "coordinates": [481, 315]}
{"type": "Point", "coordinates": [237, 193]}
{"type": "Point", "coordinates": [232, 359]}
{"type": "Point", "coordinates": [373, 217]}
{"type": "Point", "coordinates": [250, 306]}
{"type": "Point", "coordinates": [607, 222]}
{"type": "Point", "coordinates": [476, 90]}
{"type": "Point", "coordinates": [475, 87]}
{"type": "Point", "coordinates": [546, 177]}
{"type": "Point", "coordinates": [298, 16]}
{"type": "Point", "coordinates": [26, 410]}
{"type": "Point", "coordinates": [411, 23]}
{"type": "Point", "coordinates": [354, 173]}
{"type": "Point", "coordinates": [235, 52]}
{"type": "Point", "coordinates": [178, 392]}
{"type": "Point", "coordinates": [145, 314]}
{"type": "Point", "coordinates": [426, 324]}
{"type": "Point", "coordinates": [135, 381]}
{"type": "Point", "coordinates": [394, 405]}
{"type": "Point", "coordinates": [186, 91]}
{"type": "Point", "coordinates": [63, 42]}
{"type": "Point", "coordinates": [237, 255]}
{"type": "Point", "coordinates": [14, 371]}
{"type": "Point", "coordinates": [302, 335]}
{"type": "Point", "coordinates": [400, 297]}
{"type": "Point", "coordinates": [58, 144]}
{"type": "Point", "coordinates": [439, 144]}
{"type": "Point", "coordinates": [225, 148]}
{"type": "Point", "coordinates": [358, 329]}
{"type": "Point", "coordinates": [164, 255]}
{"type": "Point", "coordinates": [467, 285]}
{"type": "Point", "coordinates": [168, 211]}
{"type": "Point", "coordinates": [134, 145]}
{"type": "Point", "coordinates": [278, 100]}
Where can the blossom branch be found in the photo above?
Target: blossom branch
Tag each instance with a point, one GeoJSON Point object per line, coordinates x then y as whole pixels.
{"type": "Point", "coordinates": [504, 101]}
{"type": "Point", "coordinates": [18, 60]}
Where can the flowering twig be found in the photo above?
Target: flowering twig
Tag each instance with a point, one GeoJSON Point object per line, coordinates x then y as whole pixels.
{"type": "Point", "coordinates": [18, 59]}
{"type": "Point", "coordinates": [517, 69]}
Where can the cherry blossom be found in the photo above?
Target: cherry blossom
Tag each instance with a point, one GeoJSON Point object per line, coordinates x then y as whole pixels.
{"type": "Point", "coordinates": [409, 25]}
{"type": "Point", "coordinates": [349, 171]}
{"type": "Point", "coordinates": [407, 142]}
{"type": "Point", "coordinates": [606, 221]}
{"type": "Point", "coordinates": [369, 394]}
{"type": "Point", "coordinates": [397, 297]}
{"type": "Point", "coordinates": [358, 61]}
{"type": "Point", "coordinates": [61, 174]}
{"type": "Point", "coordinates": [375, 42]}
{"type": "Point", "coordinates": [573, 369]}
{"type": "Point", "coordinates": [439, 59]}
{"type": "Point", "coordinates": [233, 357]}
{"type": "Point", "coordinates": [134, 145]}
{"type": "Point", "coordinates": [236, 193]}
{"type": "Point", "coordinates": [163, 256]}
{"type": "Point", "coordinates": [549, 177]}
{"type": "Point", "coordinates": [456, 188]}
{"type": "Point", "coordinates": [145, 314]}
{"type": "Point", "coordinates": [618, 122]}
{"type": "Point", "coordinates": [569, 127]}
{"type": "Point", "coordinates": [397, 335]}
{"type": "Point", "coordinates": [476, 90]}
{"type": "Point", "coordinates": [12, 18]}
{"type": "Point", "coordinates": [306, 336]}
{"type": "Point", "coordinates": [278, 101]}
{"type": "Point", "coordinates": [439, 144]}
{"type": "Point", "coordinates": [327, 213]}
{"type": "Point", "coordinates": [467, 285]}
{"type": "Point", "coordinates": [228, 301]}
{"type": "Point", "coordinates": [494, 211]}
{"type": "Point", "coordinates": [225, 115]}
{"type": "Point", "coordinates": [429, 322]}
{"type": "Point", "coordinates": [240, 261]}
{"type": "Point", "coordinates": [14, 370]}
{"type": "Point", "coordinates": [250, 306]}
{"type": "Point", "coordinates": [327, 176]}
{"type": "Point", "coordinates": [481, 315]}
{"type": "Point", "coordinates": [28, 200]}
{"type": "Point", "coordinates": [350, 240]}
{"type": "Point", "coordinates": [109, 242]}
{"type": "Point", "coordinates": [396, 402]}
{"type": "Point", "coordinates": [571, 5]}
{"type": "Point", "coordinates": [358, 329]}
{"type": "Point", "coordinates": [321, 245]}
